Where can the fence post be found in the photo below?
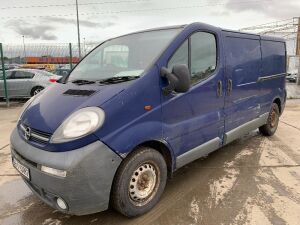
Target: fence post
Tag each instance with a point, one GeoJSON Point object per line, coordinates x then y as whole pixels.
{"type": "Point", "coordinates": [71, 57]}
{"type": "Point", "coordinates": [298, 76]}
{"type": "Point", "coordinates": [4, 75]}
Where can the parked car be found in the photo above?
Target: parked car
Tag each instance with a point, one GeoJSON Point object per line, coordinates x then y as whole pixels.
{"type": "Point", "coordinates": [141, 106]}
{"type": "Point", "coordinates": [292, 76]}
{"type": "Point", "coordinates": [26, 82]}
{"type": "Point", "coordinates": [61, 72]}
{"type": "Point", "coordinates": [6, 67]}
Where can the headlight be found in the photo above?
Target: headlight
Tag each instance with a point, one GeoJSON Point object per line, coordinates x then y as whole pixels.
{"type": "Point", "coordinates": [79, 124]}
{"type": "Point", "coordinates": [52, 171]}
{"type": "Point", "coordinates": [25, 106]}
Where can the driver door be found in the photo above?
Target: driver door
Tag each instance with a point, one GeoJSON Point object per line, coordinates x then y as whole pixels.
{"type": "Point", "coordinates": [193, 122]}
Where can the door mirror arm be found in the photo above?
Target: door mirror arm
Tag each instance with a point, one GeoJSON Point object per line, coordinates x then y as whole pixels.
{"type": "Point", "coordinates": [172, 79]}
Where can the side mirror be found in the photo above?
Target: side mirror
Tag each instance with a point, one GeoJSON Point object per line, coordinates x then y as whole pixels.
{"type": "Point", "coordinates": [179, 79]}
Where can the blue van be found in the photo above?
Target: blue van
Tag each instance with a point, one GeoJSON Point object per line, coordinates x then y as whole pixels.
{"type": "Point", "coordinates": [139, 107]}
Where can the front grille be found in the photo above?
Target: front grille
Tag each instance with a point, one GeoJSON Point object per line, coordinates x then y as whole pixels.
{"type": "Point", "coordinates": [35, 135]}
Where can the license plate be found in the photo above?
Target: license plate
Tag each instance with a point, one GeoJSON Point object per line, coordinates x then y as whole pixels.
{"type": "Point", "coordinates": [22, 169]}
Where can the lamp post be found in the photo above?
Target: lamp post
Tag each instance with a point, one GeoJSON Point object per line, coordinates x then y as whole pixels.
{"type": "Point", "coordinates": [78, 30]}
{"type": "Point", "coordinates": [84, 50]}
{"type": "Point", "coordinates": [25, 60]}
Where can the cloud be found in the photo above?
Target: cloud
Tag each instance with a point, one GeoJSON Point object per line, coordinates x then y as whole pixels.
{"type": "Point", "coordinates": [274, 9]}
{"type": "Point", "coordinates": [85, 23]}
{"type": "Point", "coordinates": [33, 31]}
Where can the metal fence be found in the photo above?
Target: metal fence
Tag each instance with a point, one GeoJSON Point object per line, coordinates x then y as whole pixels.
{"type": "Point", "coordinates": [54, 58]}
{"type": "Point", "coordinates": [59, 59]}
{"type": "Point", "coordinates": [21, 54]}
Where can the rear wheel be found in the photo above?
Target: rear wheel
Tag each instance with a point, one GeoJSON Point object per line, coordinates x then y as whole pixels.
{"type": "Point", "coordinates": [139, 182]}
{"type": "Point", "coordinates": [36, 90]}
{"type": "Point", "coordinates": [270, 127]}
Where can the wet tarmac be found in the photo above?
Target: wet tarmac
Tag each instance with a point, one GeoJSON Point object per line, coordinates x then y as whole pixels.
{"type": "Point", "coordinates": [293, 90]}
{"type": "Point", "coordinates": [254, 180]}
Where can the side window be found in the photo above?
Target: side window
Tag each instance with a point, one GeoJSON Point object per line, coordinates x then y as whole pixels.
{"type": "Point", "coordinates": [181, 56]}
{"type": "Point", "coordinates": [23, 75]}
{"type": "Point", "coordinates": [7, 75]}
{"type": "Point", "coordinates": [203, 56]}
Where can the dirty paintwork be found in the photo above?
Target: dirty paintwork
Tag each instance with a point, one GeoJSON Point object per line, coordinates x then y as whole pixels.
{"type": "Point", "coordinates": [254, 180]}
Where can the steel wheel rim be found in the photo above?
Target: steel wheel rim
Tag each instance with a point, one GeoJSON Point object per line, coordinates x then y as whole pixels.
{"type": "Point", "coordinates": [273, 118]}
{"type": "Point", "coordinates": [37, 91]}
{"type": "Point", "coordinates": [144, 183]}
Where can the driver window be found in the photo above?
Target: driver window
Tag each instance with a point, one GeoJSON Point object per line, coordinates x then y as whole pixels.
{"type": "Point", "coordinates": [203, 56]}
{"type": "Point", "coordinates": [181, 56]}
{"type": "Point", "coordinates": [116, 55]}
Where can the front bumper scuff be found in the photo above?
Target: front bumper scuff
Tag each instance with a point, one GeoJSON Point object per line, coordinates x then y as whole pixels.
{"type": "Point", "coordinates": [90, 173]}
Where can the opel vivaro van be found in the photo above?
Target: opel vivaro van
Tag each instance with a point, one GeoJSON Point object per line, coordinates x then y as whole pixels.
{"type": "Point", "coordinates": [142, 105]}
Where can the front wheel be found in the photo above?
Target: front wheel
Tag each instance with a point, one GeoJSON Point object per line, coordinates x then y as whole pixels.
{"type": "Point", "coordinates": [270, 127]}
{"type": "Point", "coordinates": [139, 182]}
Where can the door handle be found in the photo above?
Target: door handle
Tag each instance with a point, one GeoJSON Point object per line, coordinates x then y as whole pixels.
{"type": "Point", "coordinates": [219, 88]}
{"type": "Point", "coordinates": [229, 86]}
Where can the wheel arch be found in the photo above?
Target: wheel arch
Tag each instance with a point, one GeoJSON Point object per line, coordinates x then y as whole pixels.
{"type": "Point", "coordinates": [163, 148]}
{"type": "Point", "coordinates": [278, 102]}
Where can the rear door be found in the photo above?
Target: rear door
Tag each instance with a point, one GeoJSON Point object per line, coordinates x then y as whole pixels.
{"type": "Point", "coordinates": [243, 68]}
{"type": "Point", "coordinates": [193, 121]}
{"type": "Point", "coordinates": [21, 83]}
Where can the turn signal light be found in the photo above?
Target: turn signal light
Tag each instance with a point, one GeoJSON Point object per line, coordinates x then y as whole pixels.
{"type": "Point", "coordinates": [148, 107]}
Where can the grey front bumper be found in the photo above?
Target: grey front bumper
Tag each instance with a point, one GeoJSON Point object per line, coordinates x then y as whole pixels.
{"type": "Point", "coordinates": [90, 173]}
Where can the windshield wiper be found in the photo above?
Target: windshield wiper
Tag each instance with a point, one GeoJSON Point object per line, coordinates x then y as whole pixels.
{"type": "Point", "coordinates": [114, 80]}
{"type": "Point", "coordinates": [82, 82]}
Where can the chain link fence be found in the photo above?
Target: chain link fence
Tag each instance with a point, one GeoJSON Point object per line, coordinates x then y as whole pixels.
{"type": "Point", "coordinates": [18, 61]}
{"type": "Point", "coordinates": [56, 59]}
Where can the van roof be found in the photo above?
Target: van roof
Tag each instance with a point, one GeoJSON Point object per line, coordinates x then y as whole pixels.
{"type": "Point", "coordinates": [263, 37]}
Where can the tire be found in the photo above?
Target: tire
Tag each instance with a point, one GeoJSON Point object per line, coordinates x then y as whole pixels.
{"type": "Point", "coordinates": [270, 128]}
{"type": "Point", "coordinates": [139, 182]}
{"type": "Point", "coordinates": [36, 90]}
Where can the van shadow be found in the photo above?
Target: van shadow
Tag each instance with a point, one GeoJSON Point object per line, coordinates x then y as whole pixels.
{"type": "Point", "coordinates": [210, 190]}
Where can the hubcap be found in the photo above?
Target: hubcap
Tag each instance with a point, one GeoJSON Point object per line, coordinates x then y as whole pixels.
{"type": "Point", "coordinates": [143, 183]}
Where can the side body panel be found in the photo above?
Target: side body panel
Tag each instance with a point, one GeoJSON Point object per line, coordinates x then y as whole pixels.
{"type": "Point", "coordinates": [18, 85]}
{"type": "Point", "coordinates": [38, 81]}
{"type": "Point", "coordinates": [243, 68]}
{"type": "Point", "coordinates": [272, 80]}
{"type": "Point", "coordinates": [128, 123]}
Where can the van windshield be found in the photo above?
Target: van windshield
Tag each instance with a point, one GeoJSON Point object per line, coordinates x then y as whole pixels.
{"type": "Point", "coordinates": [124, 57]}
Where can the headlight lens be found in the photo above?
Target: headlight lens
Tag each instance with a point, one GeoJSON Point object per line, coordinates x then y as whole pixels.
{"type": "Point", "coordinates": [81, 123]}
